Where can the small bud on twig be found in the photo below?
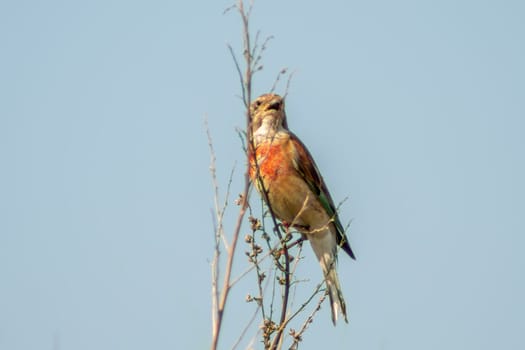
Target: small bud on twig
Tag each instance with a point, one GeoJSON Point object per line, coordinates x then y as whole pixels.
{"type": "Point", "coordinates": [239, 200]}
{"type": "Point", "coordinates": [262, 276]}
{"type": "Point", "coordinates": [255, 223]}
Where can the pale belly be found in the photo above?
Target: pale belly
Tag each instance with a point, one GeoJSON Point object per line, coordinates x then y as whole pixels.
{"type": "Point", "coordinates": [293, 202]}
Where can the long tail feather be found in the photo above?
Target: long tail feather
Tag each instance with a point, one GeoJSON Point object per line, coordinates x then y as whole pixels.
{"type": "Point", "coordinates": [325, 248]}
{"type": "Point", "coordinates": [337, 301]}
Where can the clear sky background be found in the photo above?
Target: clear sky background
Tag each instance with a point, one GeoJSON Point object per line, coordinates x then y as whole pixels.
{"type": "Point", "coordinates": [415, 110]}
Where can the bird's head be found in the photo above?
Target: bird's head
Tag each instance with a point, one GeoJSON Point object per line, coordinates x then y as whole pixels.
{"type": "Point", "coordinates": [267, 114]}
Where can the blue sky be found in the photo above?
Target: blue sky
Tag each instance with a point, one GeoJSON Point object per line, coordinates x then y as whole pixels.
{"type": "Point", "coordinates": [412, 109]}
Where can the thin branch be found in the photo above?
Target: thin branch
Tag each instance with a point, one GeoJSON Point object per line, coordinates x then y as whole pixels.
{"type": "Point", "coordinates": [272, 333]}
{"type": "Point", "coordinates": [218, 229]}
{"type": "Point", "coordinates": [281, 73]}
{"type": "Point", "coordinates": [260, 306]}
{"type": "Point", "coordinates": [288, 82]}
{"type": "Point", "coordinates": [257, 54]}
{"type": "Point", "coordinates": [239, 72]}
{"type": "Point", "coordinates": [226, 282]}
{"type": "Point", "coordinates": [218, 313]}
{"type": "Point", "coordinates": [297, 336]}
{"type": "Point", "coordinates": [245, 330]}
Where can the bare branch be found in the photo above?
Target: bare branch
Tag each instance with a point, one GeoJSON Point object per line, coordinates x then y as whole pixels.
{"type": "Point", "coordinates": [288, 82]}
{"type": "Point", "coordinates": [239, 72]}
{"type": "Point", "coordinates": [297, 336]}
{"type": "Point", "coordinates": [278, 78]}
{"type": "Point", "coordinates": [219, 303]}
{"type": "Point", "coordinates": [280, 266]}
{"type": "Point", "coordinates": [218, 230]}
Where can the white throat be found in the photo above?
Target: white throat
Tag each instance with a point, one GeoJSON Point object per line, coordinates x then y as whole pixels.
{"type": "Point", "coordinates": [266, 131]}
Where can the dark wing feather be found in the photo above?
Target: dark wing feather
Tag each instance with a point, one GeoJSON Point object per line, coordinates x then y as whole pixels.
{"type": "Point", "coordinates": [306, 166]}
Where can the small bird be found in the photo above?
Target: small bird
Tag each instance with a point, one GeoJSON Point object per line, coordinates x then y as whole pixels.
{"type": "Point", "coordinates": [281, 165]}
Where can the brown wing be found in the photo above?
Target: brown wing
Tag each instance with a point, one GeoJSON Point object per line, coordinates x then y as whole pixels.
{"type": "Point", "coordinates": [305, 165]}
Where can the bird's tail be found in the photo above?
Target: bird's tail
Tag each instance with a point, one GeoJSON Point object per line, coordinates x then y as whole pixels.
{"type": "Point", "coordinates": [337, 301]}
{"type": "Point", "coordinates": [324, 245]}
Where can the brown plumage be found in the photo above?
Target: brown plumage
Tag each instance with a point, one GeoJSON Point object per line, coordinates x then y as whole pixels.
{"type": "Point", "coordinates": [296, 190]}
